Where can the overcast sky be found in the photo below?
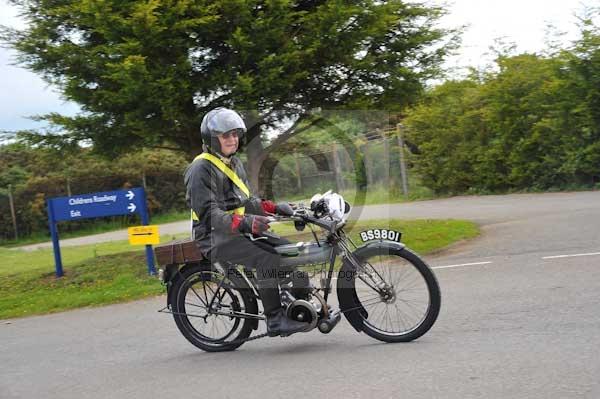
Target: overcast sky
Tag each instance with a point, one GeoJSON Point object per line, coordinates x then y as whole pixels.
{"type": "Point", "coordinates": [23, 93]}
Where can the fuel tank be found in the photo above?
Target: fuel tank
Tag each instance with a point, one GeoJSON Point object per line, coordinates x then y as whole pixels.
{"type": "Point", "coordinates": [304, 253]}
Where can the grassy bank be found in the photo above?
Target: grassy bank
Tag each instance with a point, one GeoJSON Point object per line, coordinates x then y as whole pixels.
{"type": "Point", "coordinates": [112, 272]}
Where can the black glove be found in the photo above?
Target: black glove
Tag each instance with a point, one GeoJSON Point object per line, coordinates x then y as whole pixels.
{"type": "Point", "coordinates": [284, 209]}
{"type": "Point", "coordinates": [254, 224]}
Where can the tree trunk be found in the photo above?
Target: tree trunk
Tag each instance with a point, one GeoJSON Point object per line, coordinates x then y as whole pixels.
{"type": "Point", "coordinates": [298, 174]}
{"type": "Point", "coordinates": [255, 155]}
{"type": "Point", "coordinates": [12, 211]}
{"type": "Point", "coordinates": [194, 145]}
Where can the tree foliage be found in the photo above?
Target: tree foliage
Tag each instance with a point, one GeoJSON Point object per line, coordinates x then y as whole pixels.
{"type": "Point", "coordinates": [144, 72]}
{"type": "Point", "coordinates": [533, 121]}
{"type": "Point", "coordinates": [37, 174]}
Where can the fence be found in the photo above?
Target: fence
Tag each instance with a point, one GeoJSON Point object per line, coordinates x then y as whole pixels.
{"type": "Point", "coordinates": [384, 158]}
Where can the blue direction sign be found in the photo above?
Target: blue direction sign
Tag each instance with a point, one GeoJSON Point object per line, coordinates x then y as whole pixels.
{"type": "Point", "coordinates": [93, 205]}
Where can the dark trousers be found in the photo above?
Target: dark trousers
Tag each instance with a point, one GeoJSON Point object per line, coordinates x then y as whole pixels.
{"type": "Point", "coordinates": [258, 255]}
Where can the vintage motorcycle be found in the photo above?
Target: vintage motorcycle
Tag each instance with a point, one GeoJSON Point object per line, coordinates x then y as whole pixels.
{"type": "Point", "coordinates": [383, 288]}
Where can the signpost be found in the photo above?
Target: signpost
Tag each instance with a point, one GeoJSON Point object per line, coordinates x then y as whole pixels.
{"type": "Point", "coordinates": [93, 205]}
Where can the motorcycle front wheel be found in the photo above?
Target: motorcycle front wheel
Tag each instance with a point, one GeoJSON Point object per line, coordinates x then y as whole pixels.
{"type": "Point", "coordinates": [396, 292]}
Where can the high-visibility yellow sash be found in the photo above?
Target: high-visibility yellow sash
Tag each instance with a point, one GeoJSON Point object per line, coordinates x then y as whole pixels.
{"type": "Point", "coordinates": [231, 175]}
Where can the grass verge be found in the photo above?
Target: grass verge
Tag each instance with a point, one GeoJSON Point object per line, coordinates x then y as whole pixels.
{"type": "Point", "coordinates": [111, 272]}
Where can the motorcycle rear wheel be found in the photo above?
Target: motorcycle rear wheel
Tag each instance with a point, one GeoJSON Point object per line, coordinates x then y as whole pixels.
{"type": "Point", "coordinates": [190, 299]}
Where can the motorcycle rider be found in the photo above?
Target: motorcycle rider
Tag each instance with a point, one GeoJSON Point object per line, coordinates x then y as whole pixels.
{"type": "Point", "coordinates": [225, 214]}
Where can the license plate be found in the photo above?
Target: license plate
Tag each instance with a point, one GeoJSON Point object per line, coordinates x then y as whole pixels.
{"type": "Point", "coordinates": [380, 234]}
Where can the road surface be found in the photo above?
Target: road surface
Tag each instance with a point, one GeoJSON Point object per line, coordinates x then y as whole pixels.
{"type": "Point", "coordinates": [520, 319]}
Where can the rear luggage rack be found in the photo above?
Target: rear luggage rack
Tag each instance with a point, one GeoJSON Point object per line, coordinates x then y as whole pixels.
{"type": "Point", "coordinates": [178, 252]}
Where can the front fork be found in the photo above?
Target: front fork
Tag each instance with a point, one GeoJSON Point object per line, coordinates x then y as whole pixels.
{"type": "Point", "coordinates": [376, 283]}
{"type": "Point", "coordinates": [332, 257]}
{"type": "Point", "coordinates": [373, 279]}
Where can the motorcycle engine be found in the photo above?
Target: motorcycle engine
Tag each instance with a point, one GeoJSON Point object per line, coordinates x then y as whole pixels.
{"type": "Point", "coordinates": [308, 310]}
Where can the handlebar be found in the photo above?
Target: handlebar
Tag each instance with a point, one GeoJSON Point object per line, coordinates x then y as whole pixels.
{"type": "Point", "coordinates": [318, 214]}
{"type": "Point", "coordinates": [329, 225]}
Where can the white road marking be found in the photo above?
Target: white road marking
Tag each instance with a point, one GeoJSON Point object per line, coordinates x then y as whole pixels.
{"type": "Point", "coordinates": [570, 256]}
{"type": "Point", "coordinates": [461, 265]}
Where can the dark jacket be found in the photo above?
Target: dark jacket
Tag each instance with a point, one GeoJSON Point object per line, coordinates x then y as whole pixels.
{"type": "Point", "coordinates": [210, 193]}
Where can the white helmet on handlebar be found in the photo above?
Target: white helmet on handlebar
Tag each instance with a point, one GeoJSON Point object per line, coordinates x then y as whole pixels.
{"type": "Point", "coordinates": [335, 206]}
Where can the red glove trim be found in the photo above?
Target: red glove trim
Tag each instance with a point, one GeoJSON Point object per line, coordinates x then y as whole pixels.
{"type": "Point", "coordinates": [235, 222]}
{"type": "Point", "coordinates": [268, 206]}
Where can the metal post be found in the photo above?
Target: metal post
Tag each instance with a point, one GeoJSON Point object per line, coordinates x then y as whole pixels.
{"type": "Point", "coordinates": [386, 160]}
{"type": "Point", "coordinates": [367, 161]}
{"type": "Point", "coordinates": [12, 211]}
{"type": "Point", "coordinates": [399, 128]}
{"type": "Point", "coordinates": [146, 222]}
{"type": "Point", "coordinates": [69, 186]}
{"type": "Point", "coordinates": [55, 244]}
{"type": "Point", "coordinates": [144, 180]}
{"type": "Point", "coordinates": [339, 181]}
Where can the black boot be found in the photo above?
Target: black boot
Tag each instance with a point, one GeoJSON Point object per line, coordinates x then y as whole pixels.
{"type": "Point", "coordinates": [277, 321]}
{"type": "Point", "coordinates": [279, 324]}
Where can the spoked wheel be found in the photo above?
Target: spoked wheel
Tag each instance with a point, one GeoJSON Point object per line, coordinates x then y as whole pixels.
{"type": "Point", "coordinates": [204, 304]}
{"type": "Point", "coordinates": [399, 294]}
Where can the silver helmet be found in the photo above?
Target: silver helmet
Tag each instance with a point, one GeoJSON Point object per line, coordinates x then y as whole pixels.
{"type": "Point", "coordinates": [218, 121]}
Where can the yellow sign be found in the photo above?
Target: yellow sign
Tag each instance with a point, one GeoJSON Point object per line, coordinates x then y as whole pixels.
{"type": "Point", "coordinates": [143, 235]}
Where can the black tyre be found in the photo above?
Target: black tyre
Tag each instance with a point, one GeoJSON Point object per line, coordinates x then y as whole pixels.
{"type": "Point", "coordinates": [399, 294]}
{"type": "Point", "coordinates": [190, 298]}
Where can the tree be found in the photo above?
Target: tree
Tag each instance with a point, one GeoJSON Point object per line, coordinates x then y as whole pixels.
{"type": "Point", "coordinates": [145, 72]}
{"type": "Point", "coordinates": [531, 121]}
{"type": "Point", "coordinates": [447, 127]}
{"type": "Point", "coordinates": [583, 87]}
{"type": "Point", "coordinates": [522, 106]}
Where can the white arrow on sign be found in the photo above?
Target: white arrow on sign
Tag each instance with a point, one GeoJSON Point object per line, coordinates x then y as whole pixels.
{"type": "Point", "coordinates": [131, 207]}
{"type": "Point", "coordinates": [130, 195]}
